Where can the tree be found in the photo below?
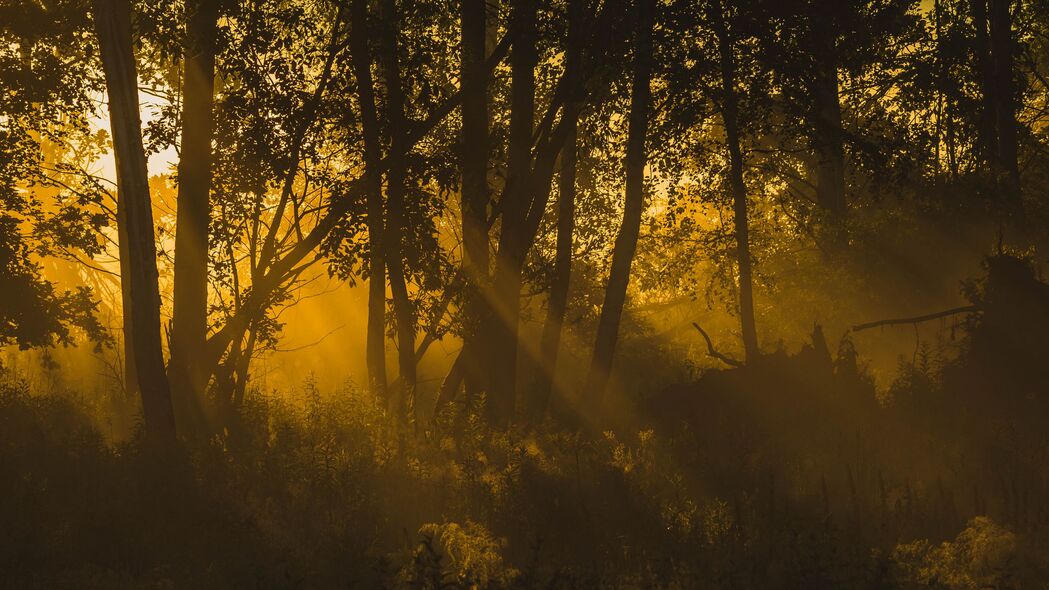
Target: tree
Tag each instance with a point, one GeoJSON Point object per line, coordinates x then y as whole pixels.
{"type": "Point", "coordinates": [362, 63]}
{"type": "Point", "coordinates": [1003, 58]}
{"type": "Point", "coordinates": [730, 117]}
{"type": "Point", "coordinates": [474, 193]}
{"type": "Point", "coordinates": [49, 206]}
{"type": "Point", "coordinates": [515, 202]}
{"type": "Point", "coordinates": [558, 301]}
{"type": "Point", "coordinates": [404, 400]}
{"type": "Point", "coordinates": [189, 322]}
{"type": "Point", "coordinates": [113, 30]}
{"type": "Point", "coordinates": [994, 51]}
{"type": "Point", "coordinates": [626, 241]}
{"type": "Point", "coordinates": [827, 137]}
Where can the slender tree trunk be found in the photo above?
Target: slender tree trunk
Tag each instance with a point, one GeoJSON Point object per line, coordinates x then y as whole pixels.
{"type": "Point", "coordinates": [516, 200]}
{"type": "Point", "coordinates": [626, 241]}
{"type": "Point", "coordinates": [941, 79]}
{"type": "Point", "coordinates": [987, 137]}
{"type": "Point", "coordinates": [474, 203]}
{"type": "Point", "coordinates": [189, 322]}
{"type": "Point", "coordinates": [1003, 57]}
{"type": "Point", "coordinates": [240, 385]}
{"type": "Point", "coordinates": [952, 149]}
{"type": "Point", "coordinates": [402, 305]}
{"type": "Point", "coordinates": [550, 340]}
{"type": "Point", "coordinates": [123, 249]}
{"type": "Point", "coordinates": [376, 336]}
{"type": "Point", "coordinates": [830, 173]}
{"type": "Point", "coordinates": [730, 115]}
{"type": "Point", "coordinates": [113, 28]}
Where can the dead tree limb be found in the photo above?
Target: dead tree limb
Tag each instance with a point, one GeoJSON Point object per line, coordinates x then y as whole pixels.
{"type": "Point", "coordinates": [711, 351]}
{"type": "Point", "coordinates": [917, 319]}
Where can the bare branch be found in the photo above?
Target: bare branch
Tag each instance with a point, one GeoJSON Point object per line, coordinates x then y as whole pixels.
{"type": "Point", "coordinates": [711, 351]}
{"type": "Point", "coordinates": [918, 319]}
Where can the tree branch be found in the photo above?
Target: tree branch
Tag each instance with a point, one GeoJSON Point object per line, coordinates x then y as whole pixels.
{"type": "Point", "coordinates": [711, 351]}
{"type": "Point", "coordinates": [918, 319]}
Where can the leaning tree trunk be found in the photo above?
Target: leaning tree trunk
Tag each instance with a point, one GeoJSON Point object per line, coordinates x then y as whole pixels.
{"type": "Point", "coordinates": [375, 348]}
{"type": "Point", "coordinates": [404, 399]}
{"type": "Point", "coordinates": [113, 29]}
{"type": "Point", "coordinates": [730, 116]}
{"type": "Point", "coordinates": [189, 321]}
{"type": "Point", "coordinates": [626, 241]}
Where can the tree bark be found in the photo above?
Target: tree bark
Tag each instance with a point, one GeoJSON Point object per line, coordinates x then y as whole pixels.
{"type": "Point", "coordinates": [550, 340]}
{"type": "Point", "coordinates": [189, 323]}
{"type": "Point", "coordinates": [113, 29]}
{"type": "Point", "coordinates": [1003, 57]}
{"type": "Point", "coordinates": [730, 116]}
{"type": "Point", "coordinates": [987, 137]}
{"type": "Point", "coordinates": [376, 333]}
{"type": "Point", "coordinates": [629, 231]}
{"type": "Point", "coordinates": [404, 399]}
{"type": "Point", "coordinates": [474, 198]}
{"type": "Point", "coordinates": [123, 249]}
{"type": "Point", "coordinates": [515, 203]}
{"type": "Point", "coordinates": [830, 172]}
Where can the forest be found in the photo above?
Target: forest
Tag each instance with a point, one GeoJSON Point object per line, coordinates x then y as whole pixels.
{"type": "Point", "coordinates": [726, 294]}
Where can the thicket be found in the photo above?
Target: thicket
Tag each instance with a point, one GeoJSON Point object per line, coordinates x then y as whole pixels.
{"type": "Point", "coordinates": [790, 473]}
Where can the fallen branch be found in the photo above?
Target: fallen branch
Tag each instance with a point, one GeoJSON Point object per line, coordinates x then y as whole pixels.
{"type": "Point", "coordinates": [711, 351]}
{"type": "Point", "coordinates": [918, 319]}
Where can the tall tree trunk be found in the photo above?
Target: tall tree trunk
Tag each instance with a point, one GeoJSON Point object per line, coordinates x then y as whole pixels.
{"type": "Point", "coordinates": [730, 116]}
{"type": "Point", "coordinates": [1003, 56]}
{"type": "Point", "coordinates": [940, 67]}
{"type": "Point", "coordinates": [987, 136]}
{"type": "Point", "coordinates": [395, 182]}
{"type": "Point", "coordinates": [474, 202]}
{"type": "Point", "coordinates": [190, 297]}
{"type": "Point", "coordinates": [516, 200]}
{"type": "Point", "coordinates": [375, 347]}
{"type": "Point", "coordinates": [550, 340]}
{"type": "Point", "coordinates": [830, 172]}
{"type": "Point", "coordinates": [113, 29]}
{"type": "Point", "coordinates": [626, 240]}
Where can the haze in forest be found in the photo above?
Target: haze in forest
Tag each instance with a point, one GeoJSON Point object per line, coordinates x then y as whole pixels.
{"type": "Point", "coordinates": [542, 293]}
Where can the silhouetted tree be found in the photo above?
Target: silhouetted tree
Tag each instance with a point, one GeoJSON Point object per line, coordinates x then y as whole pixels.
{"type": "Point", "coordinates": [189, 321]}
{"type": "Point", "coordinates": [113, 28]}
{"type": "Point", "coordinates": [626, 241]}
{"type": "Point", "coordinates": [362, 64]}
